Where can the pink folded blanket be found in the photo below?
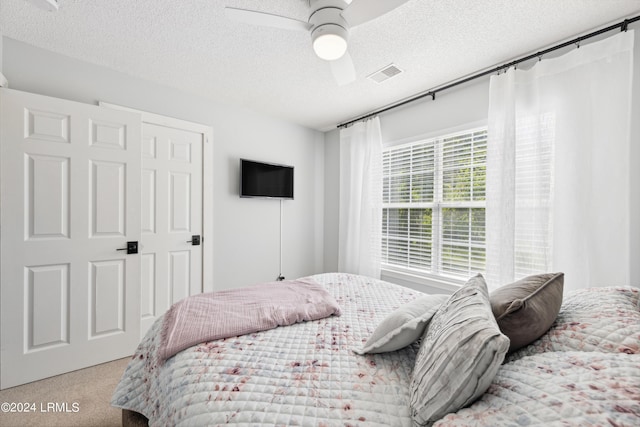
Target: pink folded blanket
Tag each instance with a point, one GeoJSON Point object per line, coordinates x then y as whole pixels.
{"type": "Point", "coordinates": [215, 315]}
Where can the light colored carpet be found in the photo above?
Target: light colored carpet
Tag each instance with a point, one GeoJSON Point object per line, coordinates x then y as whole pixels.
{"type": "Point", "coordinates": [90, 389]}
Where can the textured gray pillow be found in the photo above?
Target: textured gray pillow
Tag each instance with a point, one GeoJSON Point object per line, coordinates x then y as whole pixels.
{"type": "Point", "coordinates": [404, 325]}
{"type": "Point", "coordinates": [527, 308]}
{"type": "Point", "coordinates": [460, 354]}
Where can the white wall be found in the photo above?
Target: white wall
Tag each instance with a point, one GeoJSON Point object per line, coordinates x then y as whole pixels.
{"type": "Point", "coordinates": [331, 199]}
{"type": "Point", "coordinates": [635, 164]}
{"type": "Point", "coordinates": [1, 67]}
{"type": "Point", "coordinates": [451, 109]}
{"type": "Point", "coordinates": [246, 232]}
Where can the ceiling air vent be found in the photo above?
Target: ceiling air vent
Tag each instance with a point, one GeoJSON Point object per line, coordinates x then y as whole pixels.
{"type": "Point", "coordinates": [385, 74]}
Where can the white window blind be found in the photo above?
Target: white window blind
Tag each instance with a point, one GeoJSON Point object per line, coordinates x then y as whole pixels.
{"type": "Point", "coordinates": [434, 205]}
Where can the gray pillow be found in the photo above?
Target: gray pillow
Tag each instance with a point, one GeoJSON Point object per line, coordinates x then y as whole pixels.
{"type": "Point", "coordinates": [527, 308]}
{"type": "Point", "coordinates": [461, 351]}
{"type": "Point", "coordinates": [403, 326]}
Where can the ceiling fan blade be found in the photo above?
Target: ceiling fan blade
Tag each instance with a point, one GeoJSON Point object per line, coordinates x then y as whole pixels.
{"type": "Point", "coordinates": [360, 11]}
{"type": "Point", "coordinates": [343, 70]}
{"type": "Point", "coordinates": [266, 19]}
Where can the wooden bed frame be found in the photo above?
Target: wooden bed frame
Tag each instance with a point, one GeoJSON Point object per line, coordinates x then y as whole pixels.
{"type": "Point", "coordinates": [133, 419]}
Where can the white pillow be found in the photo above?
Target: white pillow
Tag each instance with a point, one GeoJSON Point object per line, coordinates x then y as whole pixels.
{"type": "Point", "coordinates": [403, 326]}
{"type": "Point", "coordinates": [460, 354]}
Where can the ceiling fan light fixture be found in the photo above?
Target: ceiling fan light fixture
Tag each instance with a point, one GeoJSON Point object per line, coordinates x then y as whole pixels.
{"type": "Point", "coordinates": [329, 41]}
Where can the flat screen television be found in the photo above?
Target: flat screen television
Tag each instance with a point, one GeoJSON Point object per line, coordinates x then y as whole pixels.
{"type": "Point", "coordinates": [259, 179]}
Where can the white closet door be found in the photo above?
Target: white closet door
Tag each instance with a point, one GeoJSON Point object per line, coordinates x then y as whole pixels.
{"type": "Point", "coordinates": [172, 204]}
{"type": "Point", "coordinates": [177, 204]}
{"type": "Point", "coordinates": [70, 199]}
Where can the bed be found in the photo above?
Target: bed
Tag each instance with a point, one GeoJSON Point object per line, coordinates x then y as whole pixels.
{"type": "Point", "coordinates": [584, 371]}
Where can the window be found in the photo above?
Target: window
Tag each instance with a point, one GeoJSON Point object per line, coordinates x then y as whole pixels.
{"type": "Point", "coordinates": [433, 218]}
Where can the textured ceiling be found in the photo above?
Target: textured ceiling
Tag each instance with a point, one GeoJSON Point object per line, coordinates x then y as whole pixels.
{"type": "Point", "coordinates": [191, 45]}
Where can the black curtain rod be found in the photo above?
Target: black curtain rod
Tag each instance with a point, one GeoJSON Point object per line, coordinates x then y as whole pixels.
{"type": "Point", "coordinates": [432, 93]}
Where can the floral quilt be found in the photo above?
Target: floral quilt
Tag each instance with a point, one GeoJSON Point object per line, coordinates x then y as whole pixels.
{"type": "Point", "coordinates": [302, 374]}
{"type": "Point", "coordinates": [559, 389]}
{"type": "Point", "coordinates": [584, 371]}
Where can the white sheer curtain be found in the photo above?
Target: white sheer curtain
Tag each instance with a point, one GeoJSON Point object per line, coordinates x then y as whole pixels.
{"type": "Point", "coordinates": [558, 169]}
{"type": "Point", "coordinates": [360, 224]}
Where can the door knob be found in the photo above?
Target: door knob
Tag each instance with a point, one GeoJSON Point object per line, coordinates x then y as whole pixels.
{"type": "Point", "coordinates": [195, 240]}
{"type": "Point", "coordinates": [132, 248]}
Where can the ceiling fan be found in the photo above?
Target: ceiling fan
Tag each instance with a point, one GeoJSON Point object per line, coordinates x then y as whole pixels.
{"type": "Point", "coordinates": [329, 23]}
